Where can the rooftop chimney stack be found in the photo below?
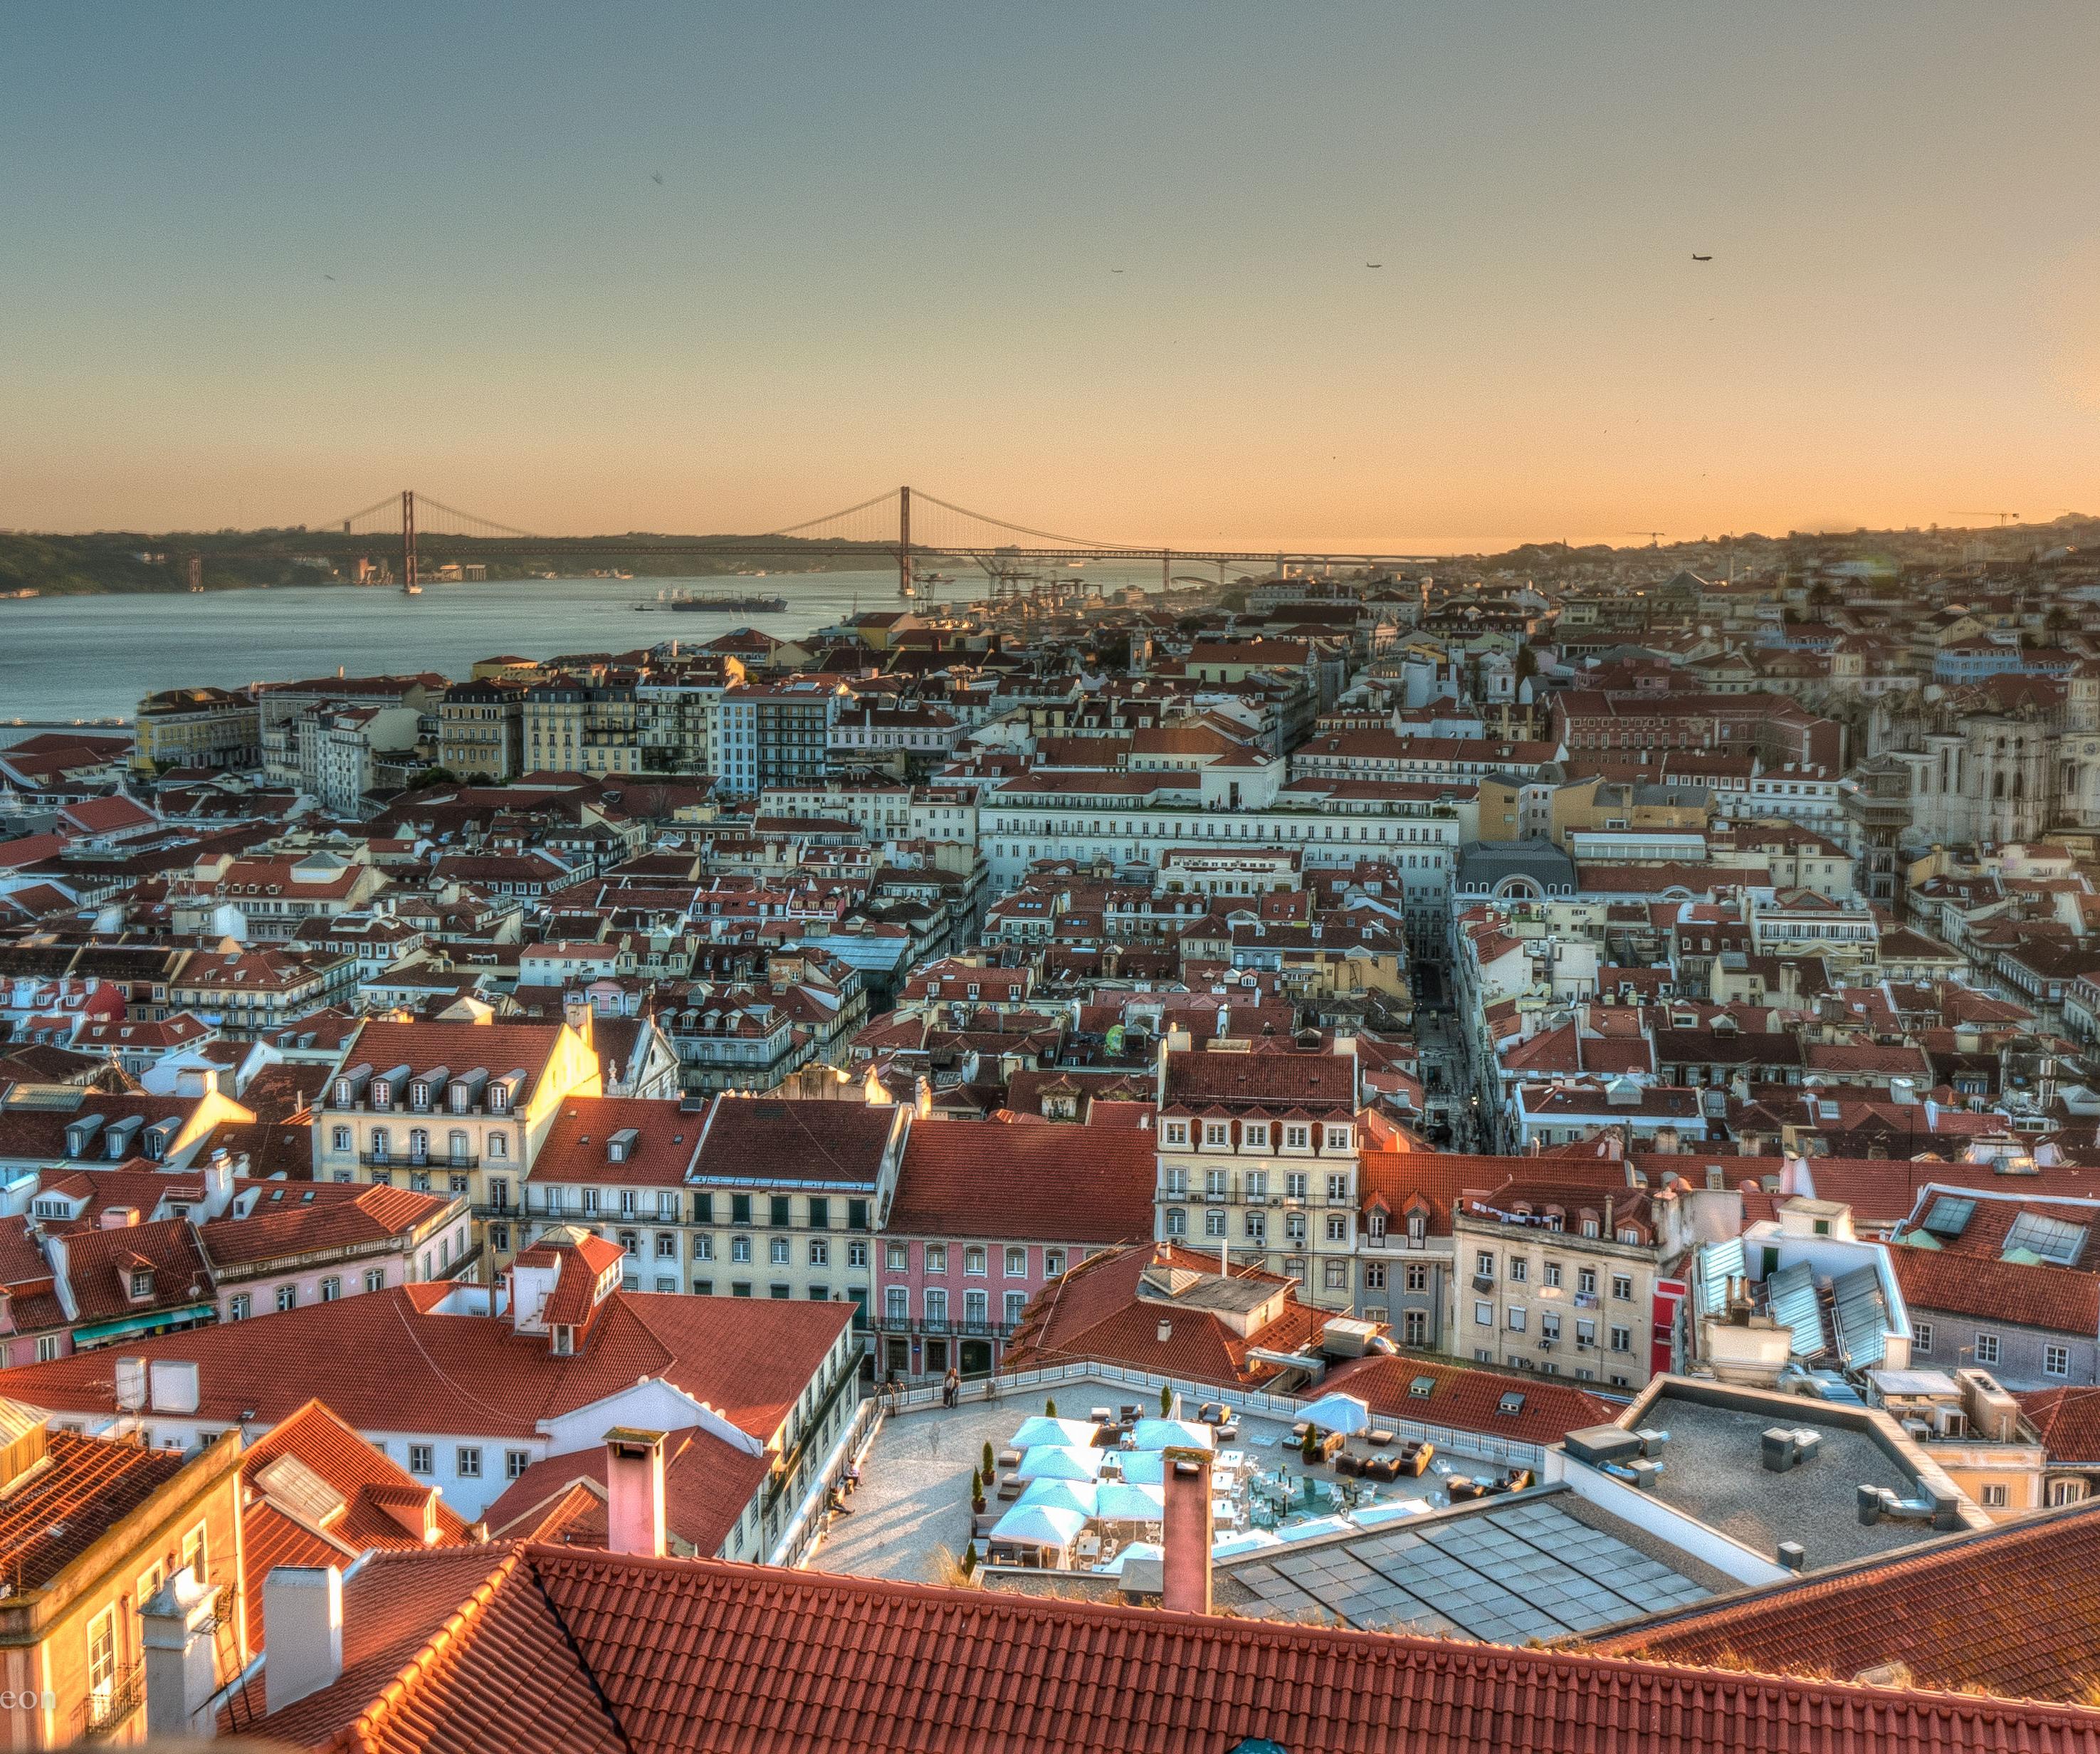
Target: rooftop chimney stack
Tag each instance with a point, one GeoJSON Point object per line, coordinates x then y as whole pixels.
{"type": "Point", "coordinates": [634, 1491]}
{"type": "Point", "coordinates": [175, 1633]}
{"type": "Point", "coordinates": [1185, 1571]}
{"type": "Point", "coordinates": [302, 1618]}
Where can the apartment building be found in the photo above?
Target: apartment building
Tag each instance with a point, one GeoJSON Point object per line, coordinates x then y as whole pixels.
{"type": "Point", "coordinates": [1565, 1279]}
{"type": "Point", "coordinates": [461, 1109]}
{"type": "Point", "coordinates": [1258, 1157]}
{"type": "Point", "coordinates": [775, 733]}
{"type": "Point", "coordinates": [481, 731]}
{"type": "Point", "coordinates": [196, 727]}
{"type": "Point", "coordinates": [579, 724]}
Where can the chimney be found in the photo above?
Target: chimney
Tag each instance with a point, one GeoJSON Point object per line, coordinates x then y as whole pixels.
{"type": "Point", "coordinates": [1186, 1568]}
{"type": "Point", "coordinates": [576, 1014]}
{"type": "Point", "coordinates": [303, 1618]}
{"type": "Point", "coordinates": [218, 1173]}
{"type": "Point", "coordinates": [176, 1627]}
{"type": "Point", "coordinates": [634, 1491]}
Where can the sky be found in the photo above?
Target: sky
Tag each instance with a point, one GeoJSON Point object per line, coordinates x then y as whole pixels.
{"type": "Point", "coordinates": [1100, 268]}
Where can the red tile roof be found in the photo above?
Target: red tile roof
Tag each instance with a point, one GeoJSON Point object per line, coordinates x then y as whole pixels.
{"type": "Point", "coordinates": [62, 1506]}
{"type": "Point", "coordinates": [1322, 1080]}
{"type": "Point", "coordinates": [370, 1492]}
{"type": "Point", "coordinates": [100, 1264]}
{"type": "Point", "coordinates": [706, 1484]}
{"type": "Point", "coordinates": [765, 1137]}
{"type": "Point", "coordinates": [2013, 1610]}
{"type": "Point", "coordinates": [296, 1217]}
{"type": "Point", "coordinates": [574, 1153]}
{"type": "Point", "coordinates": [1045, 1183]}
{"type": "Point", "coordinates": [495, 1048]}
{"type": "Point", "coordinates": [386, 1362]}
{"type": "Point", "coordinates": [1094, 1312]}
{"type": "Point", "coordinates": [541, 1648]}
{"type": "Point", "coordinates": [2060, 1299]}
{"type": "Point", "coordinates": [2068, 1420]}
{"type": "Point", "coordinates": [1471, 1400]}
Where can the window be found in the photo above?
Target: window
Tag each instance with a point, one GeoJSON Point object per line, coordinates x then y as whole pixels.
{"type": "Point", "coordinates": [469, 1462]}
{"type": "Point", "coordinates": [820, 1252]}
{"type": "Point", "coordinates": [339, 1140]}
{"type": "Point", "coordinates": [142, 1282]}
{"type": "Point", "coordinates": [1337, 1227]}
{"type": "Point", "coordinates": [1516, 1318]}
{"type": "Point", "coordinates": [1334, 1276]}
{"type": "Point", "coordinates": [47, 1344]}
{"type": "Point", "coordinates": [936, 1304]}
{"type": "Point", "coordinates": [666, 1246]}
{"type": "Point", "coordinates": [1484, 1315]}
{"type": "Point", "coordinates": [419, 1458]}
{"type": "Point", "coordinates": [1256, 1226]}
{"type": "Point", "coordinates": [1553, 1272]}
{"type": "Point", "coordinates": [739, 1250]}
{"type": "Point", "coordinates": [1253, 1135]}
{"type": "Point", "coordinates": [375, 1279]}
{"type": "Point", "coordinates": [776, 1250]}
{"type": "Point", "coordinates": [820, 1214]}
{"type": "Point", "coordinates": [856, 1254]}
{"type": "Point", "coordinates": [1214, 1222]}
{"type": "Point", "coordinates": [2056, 1360]}
{"type": "Point", "coordinates": [780, 1292]}
{"type": "Point", "coordinates": [1483, 1265]}
{"type": "Point", "coordinates": [499, 1145]}
{"type": "Point", "coordinates": [1996, 1497]}
{"type": "Point", "coordinates": [1053, 1263]}
{"type": "Point", "coordinates": [515, 1462]}
{"type": "Point", "coordinates": [1586, 1282]}
{"type": "Point", "coordinates": [856, 1214]}
{"type": "Point", "coordinates": [1375, 1277]}
{"type": "Point", "coordinates": [2067, 1491]}
{"type": "Point", "coordinates": [1417, 1277]}
{"type": "Point", "coordinates": [895, 1304]}
{"type": "Point", "coordinates": [1017, 1263]}
{"type": "Point", "coordinates": [1986, 1349]}
{"type": "Point", "coordinates": [331, 1289]}
{"type": "Point", "coordinates": [1217, 1135]}
{"type": "Point", "coordinates": [102, 1653]}
{"type": "Point", "coordinates": [288, 1296]}
{"type": "Point", "coordinates": [896, 1257]}
{"type": "Point", "coordinates": [1622, 1340]}
{"type": "Point", "coordinates": [1519, 1270]}
{"type": "Point", "coordinates": [780, 1211]}
{"type": "Point", "coordinates": [739, 1209]}
{"type": "Point", "coordinates": [1174, 1133]}
{"type": "Point", "coordinates": [1177, 1221]}
{"type": "Point", "coordinates": [1338, 1139]}
{"type": "Point", "coordinates": [1922, 1337]}
{"type": "Point", "coordinates": [1622, 1287]}
{"type": "Point", "coordinates": [1337, 1189]}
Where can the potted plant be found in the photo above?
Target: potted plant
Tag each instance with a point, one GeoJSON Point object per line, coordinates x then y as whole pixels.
{"type": "Point", "coordinates": [1166, 1402]}
{"type": "Point", "coordinates": [1049, 1409]}
{"type": "Point", "coordinates": [985, 1468]}
{"type": "Point", "coordinates": [976, 1493]}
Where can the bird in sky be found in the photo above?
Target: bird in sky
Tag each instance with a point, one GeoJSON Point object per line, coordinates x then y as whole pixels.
{"type": "Point", "coordinates": [328, 276]}
{"type": "Point", "coordinates": [1115, 270]}
{"type": "Point", "coordinates": [1374, 265]}
{"type": "Point", "coordinates": [1696, 257]}
{"type": "Point", "coordinates": [656, 176]}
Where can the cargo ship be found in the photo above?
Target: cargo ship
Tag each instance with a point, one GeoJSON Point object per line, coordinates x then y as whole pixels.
{"type": "Point", "coordinates": [743, 602]}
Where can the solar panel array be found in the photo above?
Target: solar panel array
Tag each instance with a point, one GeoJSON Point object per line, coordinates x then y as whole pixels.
{"type": "Point", "coordinates": [1719, 1262]}
{"type": "Point", "coordinates": [1791, 1293]}
{"type": "Point", "coordinates": [1863, 1317]}
{"type": "Point", "coordinates": [1522, 1572]}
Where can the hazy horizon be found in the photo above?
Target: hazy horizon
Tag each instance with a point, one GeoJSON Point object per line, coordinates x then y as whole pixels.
{"type": "Point", "coordinates": [265, 265]}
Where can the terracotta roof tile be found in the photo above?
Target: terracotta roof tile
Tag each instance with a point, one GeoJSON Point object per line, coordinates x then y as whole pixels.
{"type": "Point", "coordinates": [1046, 1182]}
{"type": "Point", "coordinates": [553, 1648]}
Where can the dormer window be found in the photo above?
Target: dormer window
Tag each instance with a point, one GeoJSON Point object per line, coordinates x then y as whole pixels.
{"type": "Point", "coordinates": [1217, 1135]}
{"type": "Point", "coordinates": [1297, 1136]}
{"type": "Point", "coordinates": [419, 1094]}
{"type": "Point", "coordinates": [1174, 1133]}
{"type": "Point", "coordinates": [564, 1343]}
{"type": "Point", "coordinates": [499, 1099]}
{"type": "Point", "coordinates": [1253, 1135]}
{"type": "Point", "coordinates": [142, 1282]}
{"type": "Point", "coordinates": [382, 1093]}
{"type": "Point", "coordinates": [1338, 1139]}
{"type": "Point", "coordinates": [342, 1096]}
{"type": "Point", "coordinates": [1629, 1236]}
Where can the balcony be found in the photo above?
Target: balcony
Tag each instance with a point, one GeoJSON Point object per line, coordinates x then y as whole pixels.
{"type": "Point", "coordinates": [101, 1716]}
{"type": "Point", "coordinates": [971, 1330]}
{"type": "Point", "coordinates": [385, 1160]}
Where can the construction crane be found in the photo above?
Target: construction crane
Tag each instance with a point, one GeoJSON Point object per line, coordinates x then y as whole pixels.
{"type": "Point", "coordinates": [1654, 536]}
{"type": "Point", "coordinates": [2003, 518]}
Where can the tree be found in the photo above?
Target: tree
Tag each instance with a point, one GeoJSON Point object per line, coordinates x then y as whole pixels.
{"type": "Point", "coordinates": [1049, 1409]}
{"type": "Point", "coordinates": [986, 1470]}
{"type": "Point", "coordinates": [1166, 1402]}
{"type": "Point", "coordinates": [432, 776]}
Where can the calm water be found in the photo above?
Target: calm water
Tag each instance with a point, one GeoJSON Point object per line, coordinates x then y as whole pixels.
{"type": "Point", "coordinates": [67, 658]}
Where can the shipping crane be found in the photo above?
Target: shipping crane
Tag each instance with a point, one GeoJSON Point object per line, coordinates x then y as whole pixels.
{"type": "Point", "coordinates": [1654, 536]}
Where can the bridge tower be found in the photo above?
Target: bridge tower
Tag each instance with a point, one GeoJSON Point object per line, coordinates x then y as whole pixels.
{"type": "Point", "coordinates": [904, 542]}
{"type": "Point", "coordinates": [408, 538]}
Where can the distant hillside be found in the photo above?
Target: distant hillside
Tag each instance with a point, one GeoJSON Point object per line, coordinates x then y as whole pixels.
{"type": "Point", "coordinates": [116, 561]}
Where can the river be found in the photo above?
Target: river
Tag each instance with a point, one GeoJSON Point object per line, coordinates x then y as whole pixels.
{"type": "Point", "coordinates": [68, 658]}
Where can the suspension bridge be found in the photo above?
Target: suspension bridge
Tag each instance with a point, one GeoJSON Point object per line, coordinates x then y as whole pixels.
{"type": "Point", "coordinates": [904, 526]}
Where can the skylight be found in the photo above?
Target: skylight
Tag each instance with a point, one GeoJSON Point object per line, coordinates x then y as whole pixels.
{"type": "Point", "coordinates": [1423, 1387]}
{"type": "Point", "coordinates": [2051, 1239]}
{"type": "Point", "coordinates": [1512, 1401]}
{"type": "Point", "coordinates": [1950, 1215]}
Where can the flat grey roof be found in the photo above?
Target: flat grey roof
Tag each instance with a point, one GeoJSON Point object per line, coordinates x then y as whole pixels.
{"type": "Point", "coordinates": [1713, 1470]}
{"type": "Point", "coordinates": [1523, 1570]}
